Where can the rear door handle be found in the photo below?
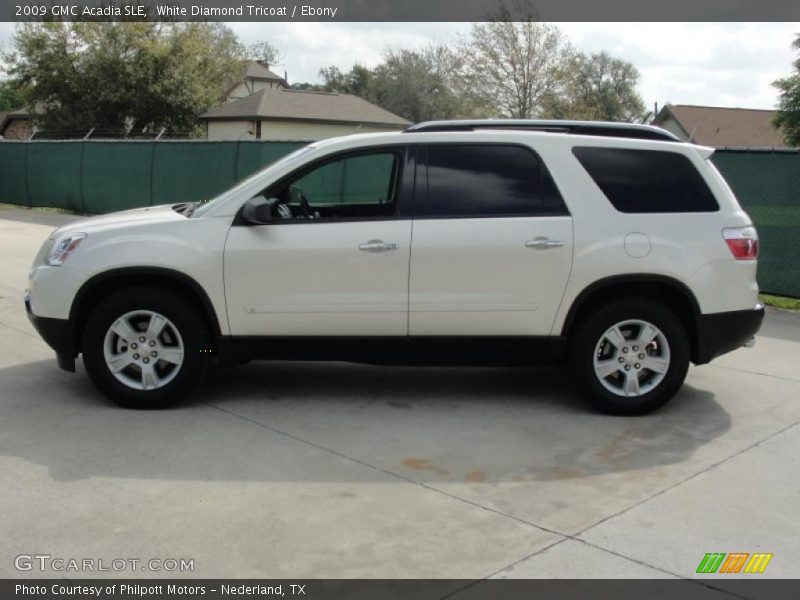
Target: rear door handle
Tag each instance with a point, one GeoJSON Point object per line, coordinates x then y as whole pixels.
{"type": "Point", "coordinates": [543, 243]}
{"type": "Point", "coordinates": [377, 246]}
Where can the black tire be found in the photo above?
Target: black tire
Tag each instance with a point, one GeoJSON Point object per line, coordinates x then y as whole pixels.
{"type": "Point", "coordinates": [583, 343]}
{"type": "Point", "coordinates": [184, 316]}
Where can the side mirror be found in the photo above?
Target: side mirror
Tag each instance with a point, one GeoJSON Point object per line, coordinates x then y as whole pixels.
{"type": "Point", "coordinates": [257, 211]}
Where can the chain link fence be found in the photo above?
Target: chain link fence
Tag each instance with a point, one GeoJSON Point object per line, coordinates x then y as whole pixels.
{"type": "Point", "coordinates": [767, 184]}
{"type": "Point", "coordinates": [116, 134]}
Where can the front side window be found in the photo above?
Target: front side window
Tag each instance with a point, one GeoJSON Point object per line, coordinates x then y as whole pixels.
{"type": "Point", "coordinates": [361, 186]}
{"type": "Point", "coordinates": [487, 181]}
{"type": "Point", "coordinates": [647, 181]}
{"type": "Point", "coordinates": [205, 207]}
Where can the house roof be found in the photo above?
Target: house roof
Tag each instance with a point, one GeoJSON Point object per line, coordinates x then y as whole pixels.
{"type": "Point", "coordinates": [725, 127]}
{"type": "Point", "coordinates": [6, 117]}
{"type": "Point", "coordinates": [260, 70]}
{"type": "Point", "coordinates": [280, 103]}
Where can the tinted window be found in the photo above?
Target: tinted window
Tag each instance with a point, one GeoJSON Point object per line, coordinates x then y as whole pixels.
{"type": "Point", "coordinates": [356, 180]}
{"type": "Point", "coordinates": [472, 180]}
{"type": "Point", "coordinates": [647, 181]}
{"type": "Point", "coordinates": [353, 187]}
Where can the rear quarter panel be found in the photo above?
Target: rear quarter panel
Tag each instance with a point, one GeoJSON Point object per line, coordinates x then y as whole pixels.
{"type": "Point", "coordinates": [687, 247]}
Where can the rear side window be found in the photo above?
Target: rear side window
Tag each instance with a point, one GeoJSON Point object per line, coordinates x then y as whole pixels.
{"type": "Point", "coordinates": [647, 181]}
{"type": "Point", "coordinates": [487, 181]}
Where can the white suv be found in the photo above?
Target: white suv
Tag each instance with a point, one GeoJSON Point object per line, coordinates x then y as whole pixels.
{"type": "Point", "coordinates": [615, 249]}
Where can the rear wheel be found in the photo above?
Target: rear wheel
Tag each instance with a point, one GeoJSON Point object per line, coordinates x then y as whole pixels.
{"type": "Point", "coordinates": [146, 347]}
{"type": "Point", "coordinates": [630, 357]}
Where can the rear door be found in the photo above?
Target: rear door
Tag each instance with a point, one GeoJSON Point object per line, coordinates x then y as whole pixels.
{"type": "Point", "coordinates": [491, 243]}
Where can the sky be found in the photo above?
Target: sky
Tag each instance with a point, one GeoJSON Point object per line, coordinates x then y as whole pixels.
{"type": "Point", "coordinates": [715, 64]}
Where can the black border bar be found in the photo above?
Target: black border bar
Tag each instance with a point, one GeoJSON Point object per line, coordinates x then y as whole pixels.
{"type": "Point", "coordinates": [399, 10]}
{"type": "Point", "coordinates": [740, 586]}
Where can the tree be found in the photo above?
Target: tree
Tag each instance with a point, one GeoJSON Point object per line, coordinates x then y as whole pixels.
{"type": "Point", "coordinates": [133, 75]}
{"type": "Point", "coordinates": [417, 85]}
{"type": "Point", "coordinates": [10, 96]}
{"type": "Point", "coordinates": [516, 63]}
{"type": "Point", "coordinates": [598, 87]}
{"type": "Point", "coordinates": [788, 118]}
{"type": "Point", "coordinates": [264, 51]}
{"type": "Point", "coordinates": [356, 81]}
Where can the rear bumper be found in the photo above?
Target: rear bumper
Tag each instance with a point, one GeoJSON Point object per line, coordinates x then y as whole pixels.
{"type": "Point", "coordinates": [718, 333]}
{"type": "Point", "coordinates": [58, 335]}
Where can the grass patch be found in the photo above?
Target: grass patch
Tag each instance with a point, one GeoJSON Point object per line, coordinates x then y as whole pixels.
{"type": "Point", "coordinates": [45, 209]}
{"type": "Point", "coordinates": [780, 301]}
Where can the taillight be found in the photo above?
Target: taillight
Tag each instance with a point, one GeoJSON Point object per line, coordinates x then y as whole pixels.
{"type": "Point", "coordinates": [742, 241]}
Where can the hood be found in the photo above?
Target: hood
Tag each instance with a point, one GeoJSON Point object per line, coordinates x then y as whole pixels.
{"type": "Point", "coordinates": [136, 216]}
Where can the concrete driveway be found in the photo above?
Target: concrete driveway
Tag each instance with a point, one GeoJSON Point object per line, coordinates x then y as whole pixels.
{"type": "Point", "coordinates": [335, 470]}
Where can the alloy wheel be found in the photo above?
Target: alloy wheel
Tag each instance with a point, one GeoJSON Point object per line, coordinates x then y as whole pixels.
{"type": "Point", "coordinates": [631, 358]}
{"type": "Point", "coordinates": [143, 350]}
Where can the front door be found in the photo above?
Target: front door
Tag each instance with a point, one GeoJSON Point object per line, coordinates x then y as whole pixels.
{"type": "Point", "coordinates": [335, 258]}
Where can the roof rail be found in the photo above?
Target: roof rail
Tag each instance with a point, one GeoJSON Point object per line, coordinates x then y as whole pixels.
{"type": "Point", "coordinates": [602, 128]}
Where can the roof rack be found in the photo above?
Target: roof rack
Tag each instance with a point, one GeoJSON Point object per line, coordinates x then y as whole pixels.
{"type": "Point", "coordinates": [602, 128]}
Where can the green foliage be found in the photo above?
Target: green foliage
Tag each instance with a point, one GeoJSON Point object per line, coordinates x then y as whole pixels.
{"type": "Point", "coordinates": [10, 96]}
{"type": "Point", "coordinates": [788, 118]}
{"type": "Point", "coordinates": [357, 81]}
{"type": "Point", "coordinates": [529, 69]}
{"type": "Point", "coordinates": [511, 66]}
{"type": "Point", "coordinates": [421, 86]}
{"type": "Point", "coordinates": [262, 50]}
{"type": "Point", "coordinates": [516, 62]}
{"type": "Point", "coordinates": [598, 87]}
{"type": "Point", "coordinates": [118, 76]}
{"type": "Point", "coordinates": [417, 85]}
{"type": "Point", "coordinates": [780, 301]}
{"type": "Point", "coordinates": [142, 76]}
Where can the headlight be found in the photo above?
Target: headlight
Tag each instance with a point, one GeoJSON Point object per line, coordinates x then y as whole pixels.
{"type": "Point", "coordinates": [62, 247]}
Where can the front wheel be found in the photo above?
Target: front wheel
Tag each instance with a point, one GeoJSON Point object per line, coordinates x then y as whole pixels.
{"type": "Point", "coordinates": [145, 347]}
{"type": "Point", "coordinates": [630, 357]}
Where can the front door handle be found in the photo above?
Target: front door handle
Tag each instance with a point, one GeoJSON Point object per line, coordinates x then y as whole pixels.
{"type": "Point", "coordinates": [378, 246]}
{"type": "Point", "coordinates": [543, 243]}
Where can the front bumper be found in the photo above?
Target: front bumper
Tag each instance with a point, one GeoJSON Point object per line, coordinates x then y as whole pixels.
{"type": "Point", "coordinates": [718, 333]}
{"type": "Point", "coordinates": [58, 334]}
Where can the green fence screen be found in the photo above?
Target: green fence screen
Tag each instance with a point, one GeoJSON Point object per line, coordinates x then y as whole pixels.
{"type": "Point", "coordinates": [116, 176]}
{"type": "Point", "coordinates": [767, 184]}
{"type": "Point", "coordinates": [105, 176]}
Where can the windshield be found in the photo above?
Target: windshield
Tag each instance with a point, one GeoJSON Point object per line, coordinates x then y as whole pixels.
{"type": "Point", "coordinates": [204, 206]}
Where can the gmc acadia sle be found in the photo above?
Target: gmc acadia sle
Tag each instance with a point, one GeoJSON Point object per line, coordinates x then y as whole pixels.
{"type": "Point", "coordinates": [614, 249]}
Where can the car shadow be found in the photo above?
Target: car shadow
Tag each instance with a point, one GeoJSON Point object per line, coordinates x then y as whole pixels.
{"type": "Point", "coordinates": [321, 422]}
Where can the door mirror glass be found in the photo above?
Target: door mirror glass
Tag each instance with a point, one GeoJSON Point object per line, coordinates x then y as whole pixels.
{"type": "Point", "coordinates": [258, 210]}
